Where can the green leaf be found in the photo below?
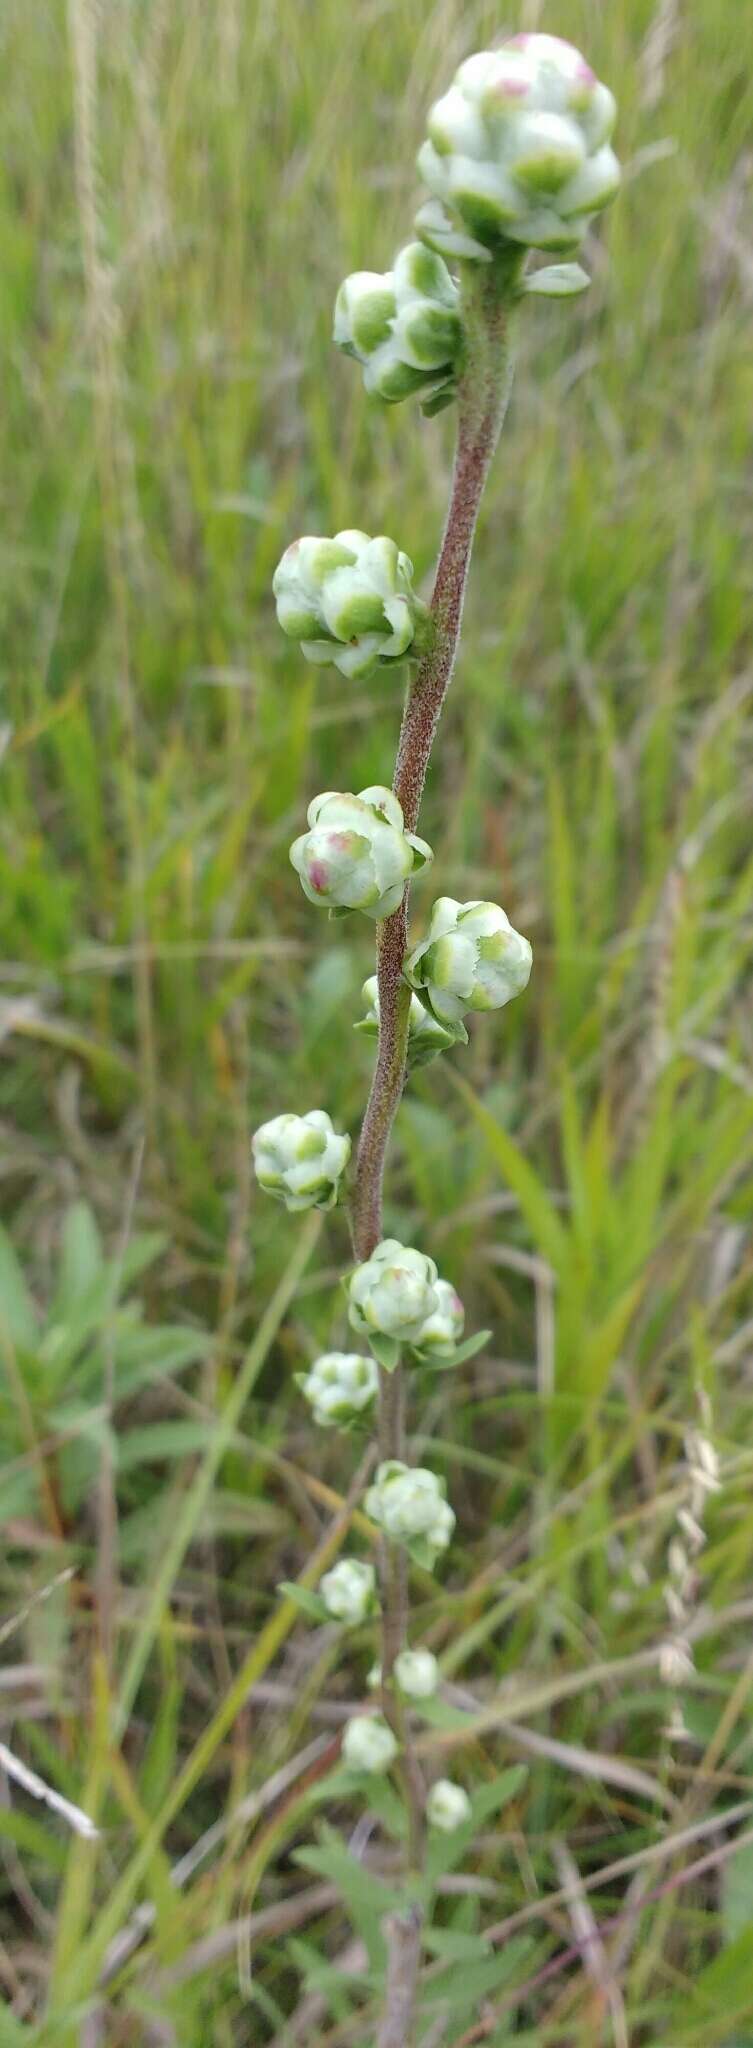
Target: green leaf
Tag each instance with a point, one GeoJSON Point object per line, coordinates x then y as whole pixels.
{"type": "Point", "coordinates": [18, 1319]}
{"type": "Point", "coordinates": [544, 1224]}
{"type": "Point", "coordinates": [462, 1352]}
{"type": "Point", "coordinates": [357, 1885]}
{"type": "Point", "coordinates": [386, 1350]}
{"type": "Point", "coordinates": [81, 1259]}
{"type": "Point", "coordinates": [556, 281]}
{"type": "Point", "coordinates": [737, 1894]}
{"type": "Point", "coordinates": [466, 1988]}
{"type": "Point", "coordinates": [490, 1799]}
{"type": "Point", "coordinates": [311, 1604]}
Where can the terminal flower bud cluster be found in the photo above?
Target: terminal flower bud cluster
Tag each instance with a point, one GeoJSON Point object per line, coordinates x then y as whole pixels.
{"type": "Point", "coordinates": [403, 327]}
{"type": "Point", "coordinates": [357, 854]}
{"type": "Point", "coordinates": [301, 1159]}
{"type": "Point", "coordinates": [350, 601]}
{"type": "Point", "coordinates": [518, 152]}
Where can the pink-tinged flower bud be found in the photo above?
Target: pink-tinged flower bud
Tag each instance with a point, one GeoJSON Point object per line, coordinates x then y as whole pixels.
{"type": "Point", "coordinates": [350, 601]}
{"type": "Point", "coordinates": [356, 854]}
{"type": "Point", "coordinates": [518, 151]}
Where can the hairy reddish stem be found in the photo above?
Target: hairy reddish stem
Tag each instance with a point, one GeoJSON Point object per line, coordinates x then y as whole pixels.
{"type": "Point", "coordinates": [488, 294]}
{"type": "Point", "coordinates": [482, 403]}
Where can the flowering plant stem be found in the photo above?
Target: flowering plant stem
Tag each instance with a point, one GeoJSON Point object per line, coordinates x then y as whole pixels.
{"type": "Point", "coordinates": [488, 292]}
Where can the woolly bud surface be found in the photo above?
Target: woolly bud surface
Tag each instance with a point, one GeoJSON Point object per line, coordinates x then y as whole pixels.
{"type": "Point", "coordinates": [408, 1503]}
{"type": "Point", "coordinates": [356, 854]}
{"type": "Point", "coordinates": [300, 1159]}
{"type": "Point", "coordinates": [447, 1806]}
{"type": "Point", "coordinates": [394, 1292]}
{"type": "Point", "coordinates": [471, 959]}
{"type": "Point", "coordinates": [350, 601]}
{"type": "Point", "coordinates": [518, 151]}
{"type": "Point", "coordinates": [339, 1387]}
{"type": "Point", "coordinates": [348, 1591]}
{"type": "Point", "coordinates": [443, 1329]}
{"type": "Point", "coordinates": [369, 1744]}
{"type": "Point", "coordinates": [403, 327]}
{"type": "Point", "coordinates": [417, 1673]}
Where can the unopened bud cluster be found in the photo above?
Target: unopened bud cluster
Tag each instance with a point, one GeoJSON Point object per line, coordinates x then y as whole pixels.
{"type": "Point", "coordinates": [300, 1159]}
{"type": "Point", "coordinates": [404, 327]}
{"type": "Point", "coordinates": [340, 1387]}
{"type": "Point", "coordinates": [349, 1591]}
{"type": "Point", "coordinates": [471, 959]}
{"type": "Point", "coordinates": [518, 151]}
{"type": "Point", "coordinates": [409, 1504]}
{"type": "Point", "coordinates": [350, 601]}
{"type": "Point", "coordinates": [398, 1294]}
{"type": "Point", "coordinates": [357, 854]}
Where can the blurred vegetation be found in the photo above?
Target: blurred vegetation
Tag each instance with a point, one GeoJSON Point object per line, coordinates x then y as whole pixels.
{"type": "Point", "coordinates": [179, 198]}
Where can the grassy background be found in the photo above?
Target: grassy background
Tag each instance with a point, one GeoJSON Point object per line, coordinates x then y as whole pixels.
{"type": "Point", "coordinates": [182, 188]}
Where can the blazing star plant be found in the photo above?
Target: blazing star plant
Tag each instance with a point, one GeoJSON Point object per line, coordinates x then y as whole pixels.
{"type": "Point", "coordinates": [518, 160]}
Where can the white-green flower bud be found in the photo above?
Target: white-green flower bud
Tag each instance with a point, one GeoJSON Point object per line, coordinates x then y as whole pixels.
{"type": "Point", "coordinates": [300, 1159]}
{"type": "Point", "coordinates": [518, 151]}
{"type": "Point", "coordinates": [369, 1744]}
{"type": "Point", "coordinates": [350, 601]}
{"type": "Point", "coordinates": [357, 854]}
{"type": "Point", "coordinates": [348, 1591]}
{"type": "Point", "coordinates": [426, 1036]}
{"type": "Point", "coordinates": [471, 959]}
{"type": "Point", "coordinates": [417, 1673]}
{"type": "Point", "coordinates": [339, 1387]}
{"type": "Point", "coordinates": [447, 1806]}
{"type": "Point", "coordinates": [408, 1503]}
{"type": "Point", "coordinates": [403, 327]}
{"type": "Point", "coordinates": [443, 1329]}
{"type": "Point", "coordinates": [394, 1292]}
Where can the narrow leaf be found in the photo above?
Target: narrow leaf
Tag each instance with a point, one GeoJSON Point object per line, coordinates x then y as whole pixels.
{"type": "Point", "coordinates": [310, 1603]}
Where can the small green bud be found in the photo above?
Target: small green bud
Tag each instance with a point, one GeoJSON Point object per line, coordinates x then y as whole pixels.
{"type": "Point", "coordinates": [447, 1806]}
{"type": "Point", "coordinates": [300, 1159]}
{"type": "Point", "coordinates": [350, 601]}
{"type": "Point", "coordinates": [349, 1591]}
{"type": "Point", "coordinates": [404, 328]}
{"type": "Point", "coordinates": [393, 1293]}
{"type": "Point", "coordinates": [426, 1037]}
{"type": "Point", "coordinates": [471, 959]}
{"type": "Point", "coordinates": [518, 151]}
{"type": "Point", "coordinates": [409, 1504]}
{"type": "Point", "coordinates": [417, 1673]}
{"type": "Point", "coordinates": [443, 1329]}
{"type": "Point", "coordinates": [357, 854]}
{"type": "Point", "coordinates": [368, 1743]}
{"type": "Point", "coordinates": [339, 1387]}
